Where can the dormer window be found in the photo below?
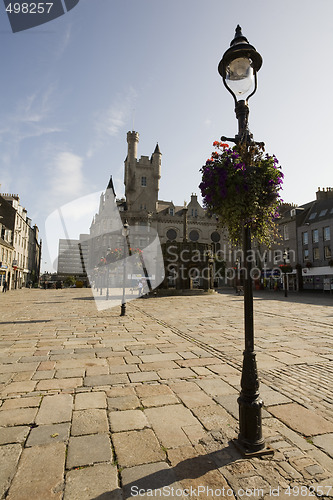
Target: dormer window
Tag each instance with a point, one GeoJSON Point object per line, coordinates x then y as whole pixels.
{"type": "Point", "coordinates": [171, 211]}
{"type": "Point", "coordinates": [143, 181]}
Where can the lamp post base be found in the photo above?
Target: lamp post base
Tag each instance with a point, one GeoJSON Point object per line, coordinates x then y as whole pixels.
{"type": "Point", "coordinates": [123, 309]}
{"type": "Point", "coordinates": [249, 452]}
{"type": "Point", "coordinates": [250, 439]}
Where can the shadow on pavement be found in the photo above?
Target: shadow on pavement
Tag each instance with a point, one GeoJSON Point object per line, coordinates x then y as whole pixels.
{"type": "Point", "coordinates": [25, 321]}
{"type": "Point", "coordinates": [191, 468]}
{"type": "Point", "coordinates": [319, 299]}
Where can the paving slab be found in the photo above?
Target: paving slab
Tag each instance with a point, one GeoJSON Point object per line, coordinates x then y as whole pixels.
{"type": "Point", "coordinates": [59, 384]}
{"type": "Point", "coordinates": [105, 380]}
{"type": "Point", "coordinates": [55, 409]}
{"type": "Point", "coordinates": [70, 373]}
{"type": "Point", "coordinates": [47, 434]}
{"type": "Point", "coordinates": [9, 457]}
{"type": "Point", "coordinates": [195, 469]}
{"type": "Point", "coordinates": [148, 390]}
{"type": "Point", "coordinates": [123, 403]}
{"type": "Point", "coordinates": [17, 416]}
{"type": "Point", "coordinates": [151, 480]}
{"type": "Point", "coordinates": [170, 432]}
{"type": "Point", "coordinates": [215, 387]}
{"type": "Point", "coordinates": [20, 387]}
{"type": "Point", "coordinates": [271, 398]}
{"type": "Point", "coordinates": [100, 480]}
{"type": "Point", "coordinates": [143, 377]}
{"type": "Point", "coordinates": [137, 448]}
{"type": "Point", "coordinates": [127, 420]}
{"type": "Point", "coordinates": [15, 434]}
{"type": "Point", "coordinates": [89, 421]}
{"type": "Point", "coordinates": [195, 399]}
{"type": "Point", "coordinates": [325, 442]}
{"type": "Point", "coordinates": [215, 418]}
{"type": "Point", "coordinates": [159, 400]}
{"type": "Point", "coordinates": [182, 373]}
{"type": "Point", "coordinates": [40, 473]}
{"type": "Point", "coordinates": [152, 358]}
{"type": "Point", "coordinates": [87, 450]}
{"type": "Point", "coordinates": [27, 402]}
{"type": "Point", "coordinates": [301, 419]}
{"type": "Point", "coordinates": [87, 400]}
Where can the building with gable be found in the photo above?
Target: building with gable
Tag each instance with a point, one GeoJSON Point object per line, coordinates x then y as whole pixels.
{"type": "Point", "coordinates": [143, 207]}
{"type": "Point", "coordinates": [146, 215]}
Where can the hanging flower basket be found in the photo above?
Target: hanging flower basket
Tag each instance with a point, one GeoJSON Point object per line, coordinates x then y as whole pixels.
{"type": "Point", "coordinates": [241, 186]}
{"type": "Point", "coordinates": [113, 255]}
{"type": "Point", "coordinates": [285, 268]}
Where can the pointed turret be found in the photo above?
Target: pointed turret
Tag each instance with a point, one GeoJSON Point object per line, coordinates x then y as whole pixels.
{"type": "Point", "coordinates": [111, 187]}
{"type": "Point", "coordinates": [157, 149]}
{"type": "Point", "coordinates": [156, 160]}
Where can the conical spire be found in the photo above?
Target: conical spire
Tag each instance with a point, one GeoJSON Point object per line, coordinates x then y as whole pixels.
{"type": "Point", "coordinates": [157, 149]}
{"type": "Point", "coordinates": [110, 186]}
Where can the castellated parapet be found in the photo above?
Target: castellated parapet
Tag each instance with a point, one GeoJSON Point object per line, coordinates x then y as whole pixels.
{"type": "Point", "coordinates": [141, 177]}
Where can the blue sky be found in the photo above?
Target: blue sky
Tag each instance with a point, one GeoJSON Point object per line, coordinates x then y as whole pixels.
{"type": "Point", "coordinates": [72, 88]}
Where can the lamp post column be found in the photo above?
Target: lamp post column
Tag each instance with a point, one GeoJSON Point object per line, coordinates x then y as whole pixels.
{"type": "Point", "coordinates": [250, 404]}
{"type": "Point", "coordinates": [285, 255]}
{"type": "Point", "coordinates": [125, 233]}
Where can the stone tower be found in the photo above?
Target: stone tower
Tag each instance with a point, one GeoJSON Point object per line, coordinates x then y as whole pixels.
{"type": "Point", "coordinates": [141, 177]}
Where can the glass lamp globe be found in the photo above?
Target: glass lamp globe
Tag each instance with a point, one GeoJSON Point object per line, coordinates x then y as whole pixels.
{"type": "Point", "coordinates": [240, 76]}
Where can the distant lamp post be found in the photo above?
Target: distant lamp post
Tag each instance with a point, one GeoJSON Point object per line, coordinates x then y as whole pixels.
{"type": "Point", "coordinates": [108, 260]}
{"type": "Point", "coordinates": [285, 262]}
{"type": "Point", "coordinates": [125, 233]}
{"type": "Point", "coordinates": [238, 68]}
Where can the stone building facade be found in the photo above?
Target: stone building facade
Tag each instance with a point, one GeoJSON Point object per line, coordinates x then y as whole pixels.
{"type": "Point", "coordinates": [6, 255]}
{"type": "Point", "coordinates": [146, 214]}
{"type": "Point", "coordinates": [305, 238]}
{"type": "Point", "coordinates": [172, 222]}
{"type": "Point", "coordinates": [24, 267]}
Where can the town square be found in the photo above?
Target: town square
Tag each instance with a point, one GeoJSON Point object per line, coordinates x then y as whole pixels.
{"type": "Point", "coordinates": [166, 267]}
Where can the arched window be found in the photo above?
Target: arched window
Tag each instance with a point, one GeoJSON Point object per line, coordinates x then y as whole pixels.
{"type": "Point", "coordinates": [194, 235]}
{"type": "Point", "coordinates": [171, 234]}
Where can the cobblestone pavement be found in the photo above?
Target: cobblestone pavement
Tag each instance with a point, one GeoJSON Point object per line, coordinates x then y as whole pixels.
{"type": "Point", "coordinates": [98, 406]}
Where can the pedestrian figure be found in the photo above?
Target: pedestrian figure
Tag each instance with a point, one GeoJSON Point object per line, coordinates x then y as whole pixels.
{"type": "Point", "coordinates": [4, 288]}
{"type": "Point", "coordinates": [140, 287]}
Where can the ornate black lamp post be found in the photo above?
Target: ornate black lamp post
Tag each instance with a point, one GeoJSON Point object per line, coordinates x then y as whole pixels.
{"type": "Point", "coordinates": [238, 68]}
{"type": "Point", "coordinates": [285, 262]}
{"type": "Point", "coordinates": [107, 259]}
{"type": "Point", "coordinates": [125, 233]}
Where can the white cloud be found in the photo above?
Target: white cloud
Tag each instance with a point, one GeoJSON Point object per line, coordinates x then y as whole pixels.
{"type": "Point", "coordinates": [67, 176]}
{"type": "Point", "coordinates": [64, 43]}
{"type": "Point", "coordinates": [110, 122]}
{"type": "Point", "coordinates": [29, 118]}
